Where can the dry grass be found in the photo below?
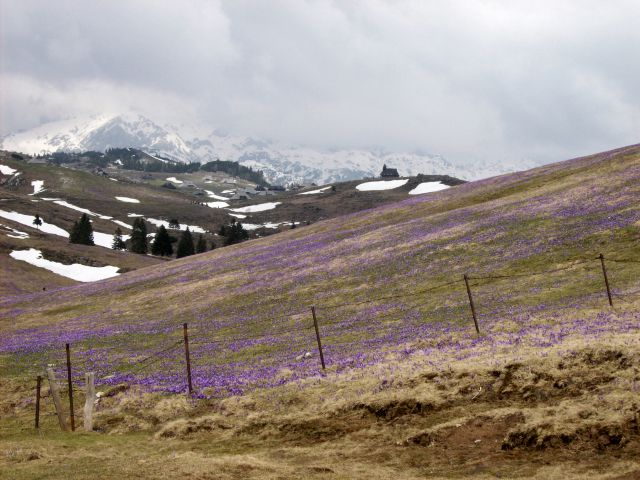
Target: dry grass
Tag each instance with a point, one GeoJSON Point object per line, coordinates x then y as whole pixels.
{"type": "Point", "coordinates": [567, 411]}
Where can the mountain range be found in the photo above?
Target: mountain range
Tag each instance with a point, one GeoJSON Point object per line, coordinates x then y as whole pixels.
{"type": "Point", "coordinates": [281, 164]}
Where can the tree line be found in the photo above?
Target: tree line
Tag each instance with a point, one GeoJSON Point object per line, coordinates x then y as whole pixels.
{"type": "Point", "coordinates": [135, 159]}
{"type": "Point", "coordinates": [162, 243]}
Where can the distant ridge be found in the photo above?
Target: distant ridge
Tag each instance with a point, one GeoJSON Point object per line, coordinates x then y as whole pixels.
{"type": "Point", "coordinates": [281, 164]}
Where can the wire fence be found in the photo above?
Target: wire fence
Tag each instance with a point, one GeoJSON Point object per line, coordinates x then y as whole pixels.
{"type": "Point", "coordinates": [302, 327]}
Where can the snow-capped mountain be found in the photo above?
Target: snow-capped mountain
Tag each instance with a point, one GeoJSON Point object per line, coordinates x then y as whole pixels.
{"type": "Point", "coordinates": [98, 133]}
{"type": "Point", "coordinates": [281, 164]}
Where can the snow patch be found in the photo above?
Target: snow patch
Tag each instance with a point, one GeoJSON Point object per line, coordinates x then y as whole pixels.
{"type": "Point", "coordinates": [254, 226]}
{"type": "Point", "coordinates": [192, 228]}
{"type": "Point", "coordinates": [174, 180]}
{"type": "Point", "coordinates": [217, 204]}
{"type": "Point", "coordinates": [37, 186]}
{"type": "Point", "coordinates": [133, 215]}
{"type": "Point", "coordinates": [105, 240]}
{"type": "Point", "coordinates": [238, 215]}
{"type": "Point", "coordinates": [80, 209]}
{"type": "Point", "coordinates": [16, 233]}
{"type": "Point", "coordinates": [214, 196]}
{"type": "Point", "coordinates": [80, 273]}
{"type": "Point", "coordinates": [313, 192]}
{"type": "Point", "coordinates": [6, 170]}
{"type": "Point", "coordinates": [127, 200]}
{"type": "Point", "coordinates": [122, 224]}
{"type": "Point", "coordinates": [229, 191]}
{"type": "Point", "coordinates": [381, 185]}
{"type": "Point", "coordinates": [428, 187]}
{"type": "Point", "coordinates": [261, 207]}
{"type": "Point", "coordinates": [28, 221]}
{"type": "Point", "coordinates": [113, 179]}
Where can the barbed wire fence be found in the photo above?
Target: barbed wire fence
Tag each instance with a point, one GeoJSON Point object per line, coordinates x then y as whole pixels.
{"type": "Point", "coordinates": [324, 322]}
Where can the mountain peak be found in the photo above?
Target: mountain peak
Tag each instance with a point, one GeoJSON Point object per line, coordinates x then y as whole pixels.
{"type": "Point", "coordinates": [281, 164]}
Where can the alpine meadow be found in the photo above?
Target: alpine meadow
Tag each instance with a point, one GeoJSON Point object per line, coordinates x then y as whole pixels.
{"type": "Point", "coordinates": [416, 256]}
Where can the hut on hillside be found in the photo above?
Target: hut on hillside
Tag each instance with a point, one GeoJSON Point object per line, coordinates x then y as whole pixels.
{"type": "Point", "coordinates": [389, 172]}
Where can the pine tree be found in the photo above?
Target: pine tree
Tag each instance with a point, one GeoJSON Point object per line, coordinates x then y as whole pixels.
{"type": "Point", "coordinates": [235, 233]}
{"type": "Point", "coordinates": [118, 243]}
{"type": "Point", "coordinates": [139, 237]}
{"type": "Point", "coordinates": [185, 245]}
{"type": "Point", "coordinates": [201, 244]}
{"type": "Point", "coordinates": [174, 224]}
{"type": "Point", "coordinates": [162, 243]}
{"type": "Point", "coordinates": [82, 231]}
{"type": "Point", "coordinates": [37, 221]}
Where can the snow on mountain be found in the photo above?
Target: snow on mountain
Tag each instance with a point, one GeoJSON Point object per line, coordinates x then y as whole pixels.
{"type": "Point", "coordinates": [281, 164]}
{"type": "Point", "coordinates": [98, 133]}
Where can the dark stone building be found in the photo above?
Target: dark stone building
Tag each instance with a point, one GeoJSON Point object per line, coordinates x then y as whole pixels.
{"type": "Point", "coordinates": [389, 172]}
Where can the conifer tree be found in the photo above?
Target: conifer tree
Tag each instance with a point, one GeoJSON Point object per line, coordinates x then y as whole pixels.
{"type": "Point", "coordinates": [37, 221]}
{"type": "Point", "coordinates": [118, 243]}
{"type": "Point", "coordinates": [82, 231]}
{"type": "Point", "coordinates": [201, 244]}
{"type": "Point", "coordinates": [185, 245]}
{"type": "Point", "coordinates": [235, 233]}
{"type": "Point", "coordinates": [174, 224]}
{"type": "Point", "coordinates": [162, 243]}
{"type": "Point", "coordinates": [139, 237]}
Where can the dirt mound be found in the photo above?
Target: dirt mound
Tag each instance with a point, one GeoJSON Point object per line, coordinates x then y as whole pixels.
{"type": "Point", "coordinates": [397, 408]}
{"type": "Point", "coordinates": [185, 428]}
{"type": "Point", "coordinates": [483, 431]}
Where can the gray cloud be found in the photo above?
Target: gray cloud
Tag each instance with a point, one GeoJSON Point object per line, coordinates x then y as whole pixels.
{"type": "Point", "coordinates": [471, 80]}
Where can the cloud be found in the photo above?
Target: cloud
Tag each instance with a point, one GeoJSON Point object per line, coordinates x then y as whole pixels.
{"type": "Point", "coordinates": [472, 80]}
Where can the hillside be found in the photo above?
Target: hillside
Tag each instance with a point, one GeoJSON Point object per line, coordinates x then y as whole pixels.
{"type": "Point", "coordinates": [547, 389]}
{"type": "Point", "coordinates": [204, 200]}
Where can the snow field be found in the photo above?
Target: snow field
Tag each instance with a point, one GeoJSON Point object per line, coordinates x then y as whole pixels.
{"type": "Point", "coordinates": [428, 187]}
{"type": "Point", "coordinates": [80, 273]}
{"type": "Point", "coordinates": [28, 221]}
{"type": "Point", "coordinates": [261, 207]}
{"type": "Point", "coordinates": [381, 185]}
{"type": "Point", "coordinates": [192, 228]}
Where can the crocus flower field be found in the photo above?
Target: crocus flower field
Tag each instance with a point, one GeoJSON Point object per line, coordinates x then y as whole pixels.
{"type": "Point", "coordinates": [387, 282]}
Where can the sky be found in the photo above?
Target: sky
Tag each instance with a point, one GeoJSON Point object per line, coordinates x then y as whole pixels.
{"type": "Point", "coordinates": [475, 80]}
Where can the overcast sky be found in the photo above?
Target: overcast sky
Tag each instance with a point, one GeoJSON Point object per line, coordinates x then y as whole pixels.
{"type": "Point", "coordinates": [470, 80]}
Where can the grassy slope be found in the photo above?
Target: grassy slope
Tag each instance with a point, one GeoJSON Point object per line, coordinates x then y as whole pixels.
{"type": "Point", "coordinates": [96, 193]}
{"type": "Point", "coordinates": [526, 388]}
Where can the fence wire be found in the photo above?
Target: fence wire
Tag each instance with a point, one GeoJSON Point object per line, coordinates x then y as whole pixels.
{"type": "Point", "coordinates": [377, 320]}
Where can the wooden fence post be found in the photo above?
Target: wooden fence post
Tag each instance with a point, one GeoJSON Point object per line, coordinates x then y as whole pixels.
{"type": "Point", "coordinates": [38, 387]}
{"type": "Point", "coordinates": [606, 279]}
{"type": "Point", "coordinates": [473, 307]}
{"type": "Point", "coordinates": [70, 384]}
{"type": "Point", "coordinates": [315, 324]}
{"type": "Point", "coordinates": [188, 358]}
{"type": "Point", "coordinates": [55, 394]}
{"type": "Point", "coordinates": [90, 399]}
